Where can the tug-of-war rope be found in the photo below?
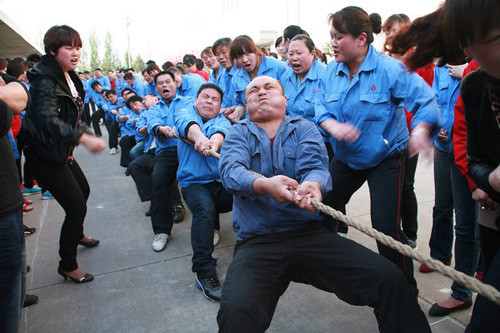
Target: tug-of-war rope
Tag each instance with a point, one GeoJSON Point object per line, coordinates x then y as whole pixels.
{"type": "Point", "coordinates": [472, 283]}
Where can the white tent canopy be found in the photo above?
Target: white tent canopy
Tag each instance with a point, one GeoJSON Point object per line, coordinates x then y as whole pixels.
{"type": "Point", "coordinates": [13, 42]}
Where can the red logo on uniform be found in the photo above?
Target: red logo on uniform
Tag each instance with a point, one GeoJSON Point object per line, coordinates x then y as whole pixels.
{"type": "Point", "coordinates": [314, 91]}
{"type": "Point", "coordinates": [373, 87]}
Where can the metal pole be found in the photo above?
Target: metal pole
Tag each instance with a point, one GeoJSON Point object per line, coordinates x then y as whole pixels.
{"type": "Point", "coordinates": [127, 21]}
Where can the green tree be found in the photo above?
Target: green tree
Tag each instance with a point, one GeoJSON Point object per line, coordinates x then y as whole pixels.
{"type": "Point", "coordinates": [110, 59]}
{"type": "Point", "coordinates": [327, 48]}
{"type": "Point", "coordinates": [95, 61]}
{"type": "Point", "coordinates": [138, 64]}
{"type": "Point", "coordinates": [83, 65]}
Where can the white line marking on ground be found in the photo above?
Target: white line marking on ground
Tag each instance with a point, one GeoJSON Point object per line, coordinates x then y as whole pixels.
{"type": "Point", "coordinates": [32, 273]}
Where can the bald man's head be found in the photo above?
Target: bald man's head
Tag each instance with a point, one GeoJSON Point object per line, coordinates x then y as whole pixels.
{"type": "Point", "coordinates": [266, 100]}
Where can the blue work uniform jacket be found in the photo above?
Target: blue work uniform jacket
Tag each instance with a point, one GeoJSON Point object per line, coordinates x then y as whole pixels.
{"type": "Point", "coordinates": [195, 168]}
{"type": "Point", "coordinates": [447, 89]}
{"type": "Point", "coordinates": [374, 102]}
{"type": "Point", "coordinates": [163, 114]}
{"type": "Point", "coordinates": [298, 152]}
{"type": "Point", "coordinates": [190, 85]}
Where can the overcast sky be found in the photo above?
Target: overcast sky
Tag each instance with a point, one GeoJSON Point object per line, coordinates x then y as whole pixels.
{"type": "Point", "coordinates": [164, 30]}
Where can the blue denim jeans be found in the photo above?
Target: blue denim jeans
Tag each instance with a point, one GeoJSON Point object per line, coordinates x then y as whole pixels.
{"type": "Point", "coordinates": [206, 202]}
{"type": "Point", "coordinates": [12, 271]}
{"type": "Point", "coordinates": [452, 192]}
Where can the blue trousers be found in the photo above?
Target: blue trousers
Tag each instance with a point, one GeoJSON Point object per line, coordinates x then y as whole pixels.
{"type": "Point", "coordinates": [206, 202]}
{"type": "Point", "coordinates": [452, 193]}
{"type": "Point", "coordinates": [12, 271]}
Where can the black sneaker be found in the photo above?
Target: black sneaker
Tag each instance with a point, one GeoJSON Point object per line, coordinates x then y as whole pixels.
{"type": "Point", "coordinates": [210, 287]}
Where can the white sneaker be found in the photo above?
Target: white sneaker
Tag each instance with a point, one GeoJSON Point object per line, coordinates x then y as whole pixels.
{"type": "Point", "coordinates": [216, 237]}
{"type": "Point", "coordinates": [112, 151]}
{"type": "Point", "coordinates": [342, 234]}
{"type": "Point", "coordinates": [160, 242]}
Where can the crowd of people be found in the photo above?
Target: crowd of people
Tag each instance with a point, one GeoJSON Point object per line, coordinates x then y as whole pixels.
{"type": "Point", "coordinates": [314, 130]}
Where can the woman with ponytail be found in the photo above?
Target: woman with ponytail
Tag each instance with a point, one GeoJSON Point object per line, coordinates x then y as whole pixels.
{"type": "Point", "coordinates": [361, 107]}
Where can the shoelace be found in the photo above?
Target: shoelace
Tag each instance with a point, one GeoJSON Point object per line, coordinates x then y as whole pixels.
{"type": "Point", "coordinates": [214, 281]}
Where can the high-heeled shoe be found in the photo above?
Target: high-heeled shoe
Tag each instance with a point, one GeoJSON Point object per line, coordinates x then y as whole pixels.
{"type": "Point", "coordinates": [86, 278]}
{"type": "Point", "coordinates": [91, 243]}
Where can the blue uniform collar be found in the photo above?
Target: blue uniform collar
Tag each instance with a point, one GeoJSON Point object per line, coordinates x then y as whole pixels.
{"type": "Point", "coordinates": [369, 64]}
{"type": "Point", "coordinates": [164, 104]}
{"type": "Point", "coordinates": [286, 127]}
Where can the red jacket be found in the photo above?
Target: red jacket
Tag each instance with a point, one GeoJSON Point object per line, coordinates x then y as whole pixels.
{"type": "Point", "coordinates": [460, 132]}
{"type": "Point", "coordinates": [427, 73]}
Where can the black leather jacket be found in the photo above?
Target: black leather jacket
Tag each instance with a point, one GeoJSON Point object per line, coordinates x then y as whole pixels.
{"type": "Point", "coordinates": [52, 125]}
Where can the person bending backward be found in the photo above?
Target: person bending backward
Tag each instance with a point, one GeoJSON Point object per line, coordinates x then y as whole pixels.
{"type": "Point", "coordinates": [127, 141]}
{"type": "Point", "coordinates": [161, 122]}
{"type": "Point", "coordinates": [360, 104]}
{"type": "Point", "coordinates": [112, 109]}
{"type": "Point", "coordinates": [141, 166]}
{"type": "Point", "coordinates": [198, 176]}
{"type": "Point", "coordinates": [222, 51]}
{"type": "Point", "coordinates": [142, 137]}
{"type": "Point", "coordinates": [287, 231]}
{"type": "Point", "coordinates": [251, 63]}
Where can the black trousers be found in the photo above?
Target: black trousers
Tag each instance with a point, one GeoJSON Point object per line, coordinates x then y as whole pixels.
{"type": "Point", "coordinates": [163, 176]}
{"type": "Point", "coordinates": [126, 144]}
{"type": "Point", "coordinates": [264, 266]}
{"type": "Point", "coordinates": [141, 170]}
{"type": "Point", "coordinates": [113, 130]}
{"type": "Point", "coordinates": [70, 188]}
{"type": "Point", "coordinates": [96, 117]}
{"type": "Point", "coordinates": [385, 184]}
{"type": "Point", "coordinates": [409, 204]}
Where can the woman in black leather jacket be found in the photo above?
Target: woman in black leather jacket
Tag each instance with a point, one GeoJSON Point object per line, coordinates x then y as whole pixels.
{"type": "Point", "coordinates": [53, 128]}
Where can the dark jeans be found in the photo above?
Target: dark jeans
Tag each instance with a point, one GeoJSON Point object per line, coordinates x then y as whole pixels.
{"type": "Point", "coordinates": [141, 170]}
{"type": "Point", "coordinates": [70, 188]}
{"type": "Point", "coordinates": [96, 117]}
{"type": "Point", "coordinates": [264, 266]}
{"type": "Point", "coordinates": [163, 176]}
{"type": "Point", "coordinates": [452, 192]}
{"type": "Point", "coordinates": [113, 130]}
{"type": "Point", "coordinates": [385, 185]}
{"type": "Point", "coordinates": [206, 202]}
{"type": "Point", "coordinates": [126, 144]}
{"type": "Point", "coordinates": [137, 150]}
{"type": "Point", "coordinates": [486, 314]}
{"type": "Point", "coordinates": [409, 204]}
{"type": "Point", "coordinates": [12, 271]}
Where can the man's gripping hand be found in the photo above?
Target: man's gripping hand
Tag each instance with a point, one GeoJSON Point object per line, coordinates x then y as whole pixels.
{"type": "Point", "coordinates": [278, 187]}
{"type": "Point", "coordinates": [305, 193]}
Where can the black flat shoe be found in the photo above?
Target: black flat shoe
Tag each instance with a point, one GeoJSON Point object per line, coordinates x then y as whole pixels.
{"type": "Point", "coordinates": [91, 243]}
{"type": "Point", "coordinates": [30, 300]}
{"type": "Point", "coordinates": [438, 311]}
{"type": "Point", "coordinates": [86, 278]}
